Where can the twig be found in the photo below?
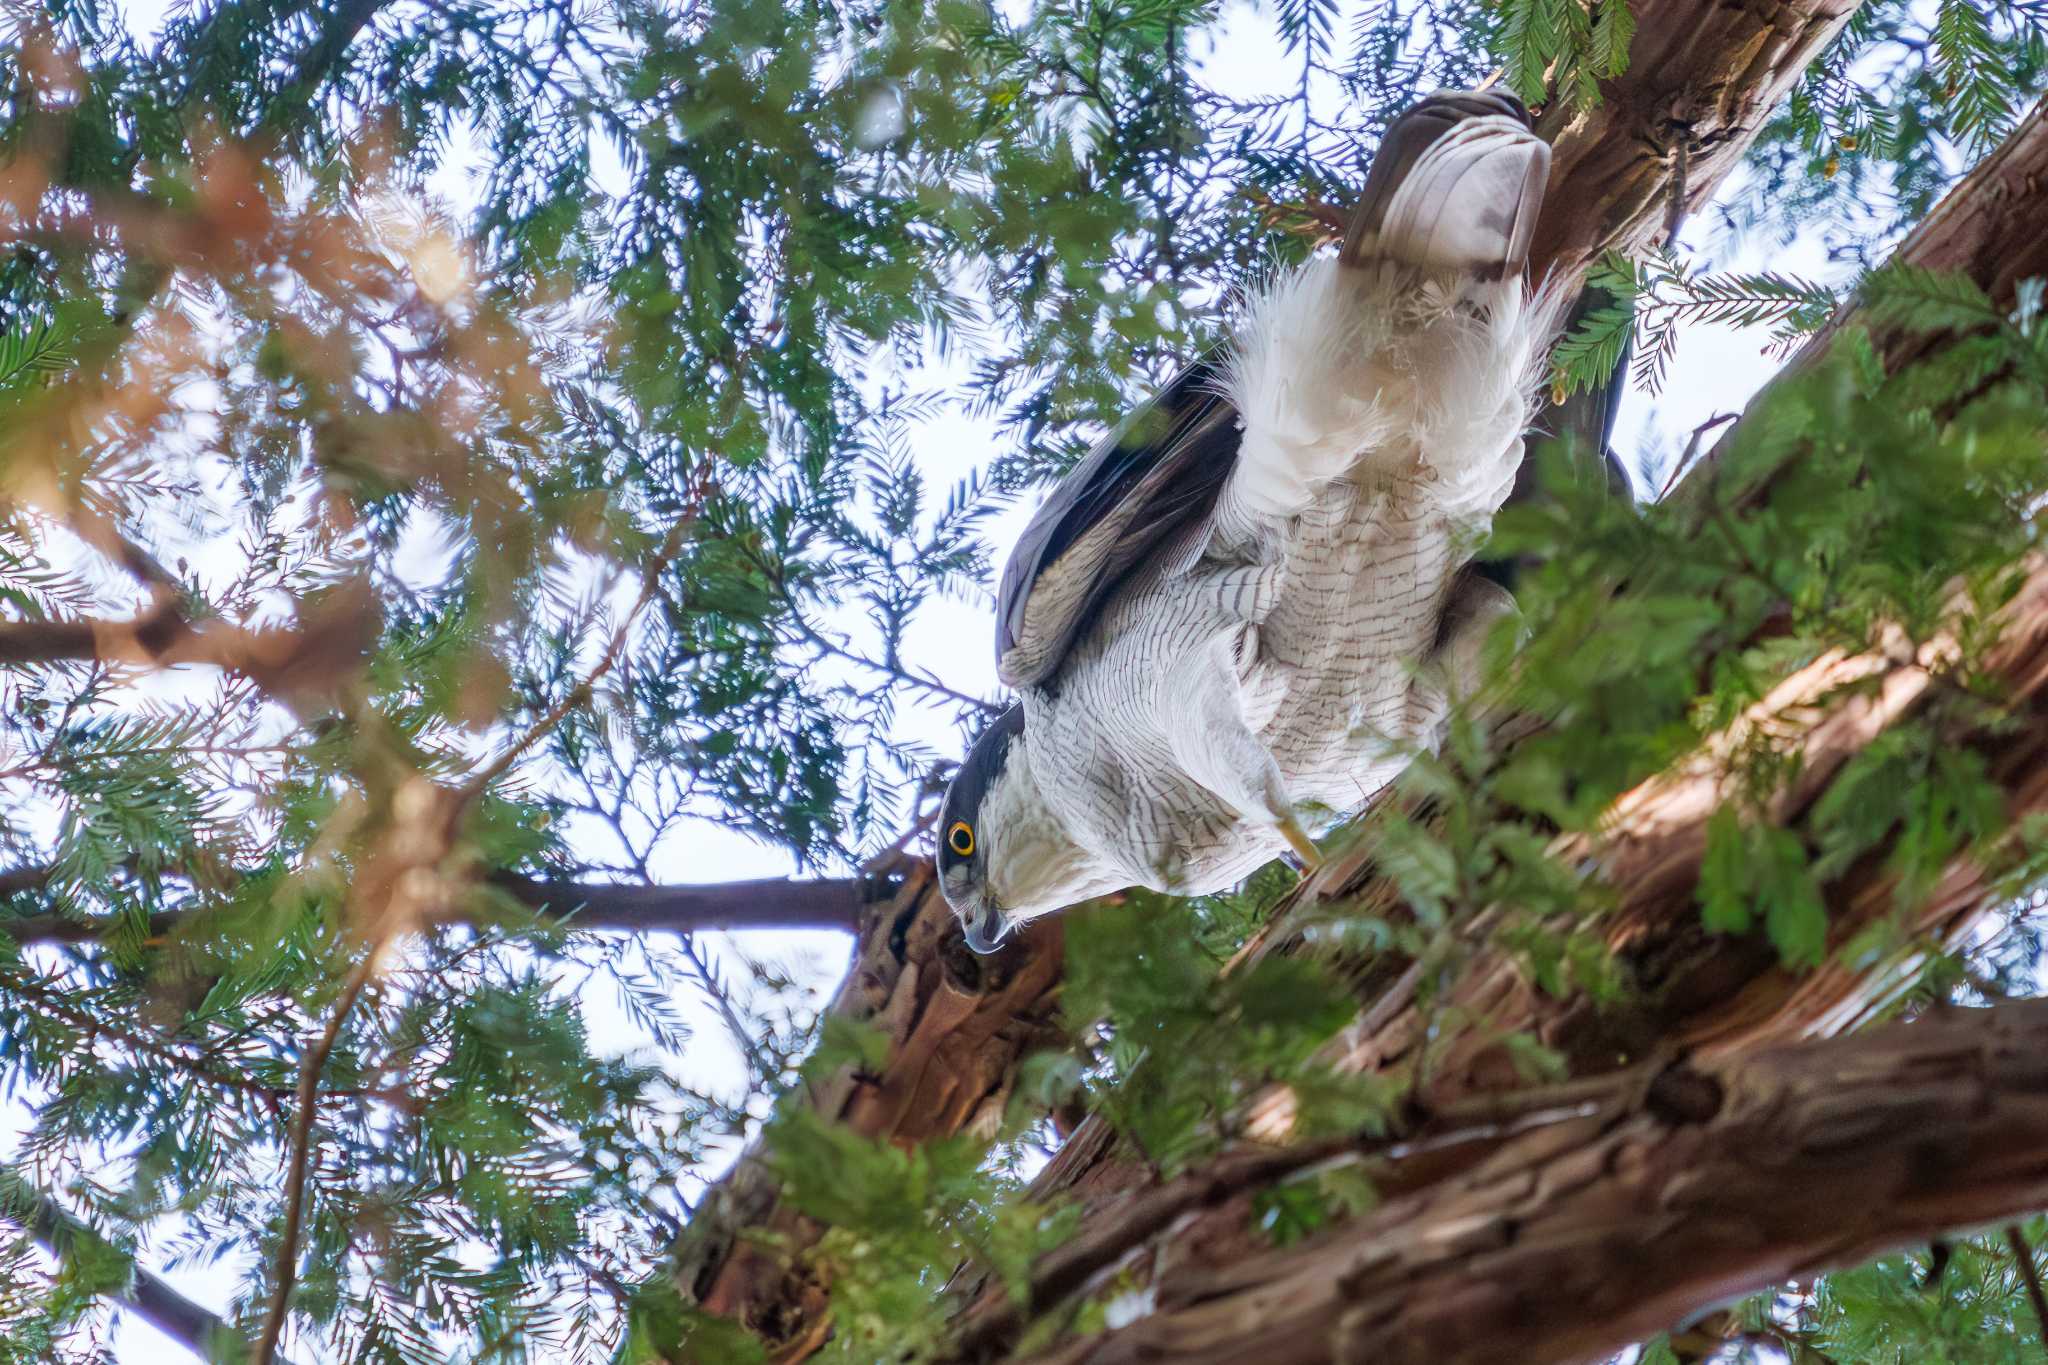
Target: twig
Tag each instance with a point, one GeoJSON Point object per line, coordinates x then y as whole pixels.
{"type": "Point", "coordinates": [931, 685]}
{"type": "Point", "coordinates": [1717, 516]}
{"type": "Point", "coordinates": [920, 821]}
{"type": "Point", "coordinates": [811, 633]}
{"type": "Point", "coordinates": [450, 807]}
{"type": "Point", "coordinates": [615, 648]}
{"type": "Point", "coordinates": [2023, 1257]}
{"type": "Point", "coordinates": [98, 530]}
{"type": "Point", "coordinates": [730, 1015]}
{"type": "Point", "coordinates": [1692, 450]}
{"type": "Point", "coordinates": [336, 34]}
{"type": "Point", "coordinates": [164, 1049]}
{"type": "Point", "coordinates": [286, 1267]}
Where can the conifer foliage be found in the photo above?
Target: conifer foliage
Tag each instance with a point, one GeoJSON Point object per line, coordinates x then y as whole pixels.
{"type": "Point", "coordinates": [454, 455]}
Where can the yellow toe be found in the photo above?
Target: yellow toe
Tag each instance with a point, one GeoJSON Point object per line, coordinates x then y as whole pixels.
{"type": "Point", "coordinates": [1303, 846]}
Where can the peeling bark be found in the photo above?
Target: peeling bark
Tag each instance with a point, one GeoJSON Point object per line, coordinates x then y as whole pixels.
{"type": "Point", "coordinates": [1693, 1184]}
{"type": "Point", "coordinates": [958, 1025]}
{"type": "Point", "coordinates": [1988, 228]}
{"type": "Point", "coordinates": [1714, 990]}
{"type": "Point", "coordinates": [1701, 81]}
{"type": "Point", "coordinates": [1729, 1002]}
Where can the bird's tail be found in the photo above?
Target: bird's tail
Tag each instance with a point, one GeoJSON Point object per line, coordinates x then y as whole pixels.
{"type": "Point", "coordinates": [1419, 347]}
{"type": "Point", "coordinates": [1455, 185]}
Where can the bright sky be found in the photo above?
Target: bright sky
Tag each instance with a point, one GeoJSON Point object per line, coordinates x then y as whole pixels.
{"type": "Point", "coordinates": [1716, 371]}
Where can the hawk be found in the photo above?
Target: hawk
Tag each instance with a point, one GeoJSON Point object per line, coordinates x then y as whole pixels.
{"type": "Point", "coordinates": [1253, 597]}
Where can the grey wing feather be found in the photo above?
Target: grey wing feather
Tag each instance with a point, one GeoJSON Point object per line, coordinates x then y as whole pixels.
{"type": "Point", "coordinates": [1585, 421]}
{"type": "Point", "coordinates": [1160, 470]}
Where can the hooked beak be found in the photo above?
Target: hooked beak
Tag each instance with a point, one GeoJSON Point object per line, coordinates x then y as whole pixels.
{"type": "Point", "coordinates": [984, 928]}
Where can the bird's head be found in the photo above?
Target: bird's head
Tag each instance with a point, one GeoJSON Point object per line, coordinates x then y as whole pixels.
{"type": "Point", "coordinates": [966, 836]}
{"type": "Point", "coordinates": [1004, 856]}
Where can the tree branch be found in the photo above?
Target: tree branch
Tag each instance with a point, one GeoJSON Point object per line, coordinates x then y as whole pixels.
{"type": "Point", "coordinates": [338, 32]}
{"type": "Point", "coordinates": [1576, 1237]}
{"type": "Point", "coordinates": [622, 907]}
{"type": "Point", "coordinates": [959, 1026]}
{"type": "Point", "coordinates": [148, 1296]}
{"type": "Point", "coordinates": [1701, 82]}
{"type": "Point", "coordinates": [301, 666]}
{"type": "Point", "coordinates": [763, 903]}
{"type": "Point", "coordinates": [1693, 988]}
{"type": "Point", "coordinates": [299, 1143]}
{"type": "Point", "coordinates": [2030, 1275]}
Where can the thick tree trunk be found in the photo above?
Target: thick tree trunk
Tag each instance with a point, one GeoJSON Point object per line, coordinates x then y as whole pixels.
{"type": "Point", "coordinates": [1702, 79]}
{"type": "Point", "coordinates": [1569, 1235]}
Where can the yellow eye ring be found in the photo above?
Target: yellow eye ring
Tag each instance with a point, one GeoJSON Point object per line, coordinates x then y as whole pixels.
{"type": "Point", "coordinates": [960, 838]}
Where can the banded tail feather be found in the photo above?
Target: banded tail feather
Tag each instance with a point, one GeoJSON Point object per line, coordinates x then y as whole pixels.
{"type": "Point", "coordinates": [1456, 185]}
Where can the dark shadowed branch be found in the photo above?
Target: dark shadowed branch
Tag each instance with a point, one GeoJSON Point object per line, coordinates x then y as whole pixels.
{"type": "Point", "coordinates": [762, 903]}
{"type": "Point", "coordinates": [147, 1295]}
{"type": "Point", "coordinates": [759, 903]}
{"type": "Point", "coordinates": [2030, 1275]}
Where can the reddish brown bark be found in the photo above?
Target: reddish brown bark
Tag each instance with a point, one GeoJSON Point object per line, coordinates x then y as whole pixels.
{"type": "Point", "coordinates": [1717, 990]}
{"type": "Point", "coordinates": [1701, 80]}
{"type": "Point", "coordinates": [1581, 1231]}
{"type": "Point", "coordinates": [1989, 228]}
{"type": "Point", "coordinates": [958, 1025]}
{"type": "Point", "coordinates": [1723, 1000]}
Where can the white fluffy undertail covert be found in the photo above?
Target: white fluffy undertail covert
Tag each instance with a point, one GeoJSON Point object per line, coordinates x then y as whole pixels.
{"type": "Point", "coordinates": [1378, 373]}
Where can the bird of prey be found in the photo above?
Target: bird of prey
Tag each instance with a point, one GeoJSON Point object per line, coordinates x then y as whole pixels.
{"type": "Point", "coordinates": [1253, 597]}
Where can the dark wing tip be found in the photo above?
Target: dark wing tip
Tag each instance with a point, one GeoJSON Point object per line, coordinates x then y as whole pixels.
{"type": "Point", "coordinates": [1159, 469]}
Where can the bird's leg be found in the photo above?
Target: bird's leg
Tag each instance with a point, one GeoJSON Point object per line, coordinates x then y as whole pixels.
{"type": "Point", "coordinates": [1298, 840]}
{"type": "Point", "coordinates": [1203, 714]}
